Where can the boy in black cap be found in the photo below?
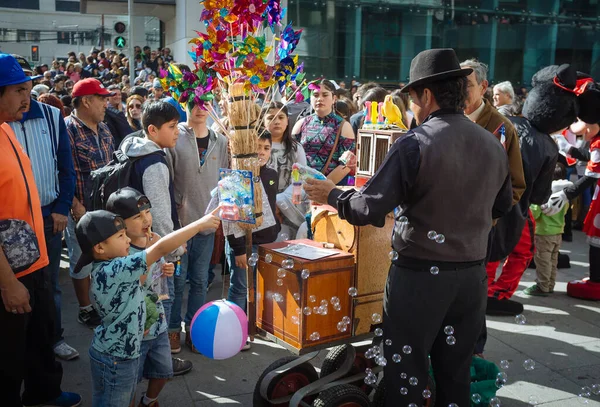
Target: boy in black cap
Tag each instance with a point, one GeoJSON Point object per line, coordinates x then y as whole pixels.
{"type": "Point", "coordinates": [155, 354]}
{"type": "Point", "coordinates": [116, 290]}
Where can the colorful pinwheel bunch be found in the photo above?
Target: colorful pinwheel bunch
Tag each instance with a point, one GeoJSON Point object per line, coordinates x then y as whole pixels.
{"type": "Point", "coordinates": [235, 49]}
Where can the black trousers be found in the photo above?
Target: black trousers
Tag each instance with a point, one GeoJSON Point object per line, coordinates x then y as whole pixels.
{"type": "Point", "coordinates": [26, 349]}
{"type": "Point", "coordinates": [594, 264]}
{"type": "Point", "coordinates": [417, 306]}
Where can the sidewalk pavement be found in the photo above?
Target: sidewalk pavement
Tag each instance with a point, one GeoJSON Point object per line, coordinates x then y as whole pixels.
{"type": "Point", "coordinates": [561, 334]}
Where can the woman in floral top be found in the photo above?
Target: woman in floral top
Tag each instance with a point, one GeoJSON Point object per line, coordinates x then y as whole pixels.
{"type": "Point", "coordinates": [317, 134]}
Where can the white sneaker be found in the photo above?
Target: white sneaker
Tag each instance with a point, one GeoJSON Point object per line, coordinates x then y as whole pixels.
{"type": "Point", "coordinates": [65, 352]}
{"type": "Point", "coordinates": [247, 346]}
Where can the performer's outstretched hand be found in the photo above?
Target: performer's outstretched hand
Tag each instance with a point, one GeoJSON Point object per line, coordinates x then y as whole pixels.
{"type": "Point", "coordinates": [555, 204]}
{"type": "Point", "coordinates": [318, 191]}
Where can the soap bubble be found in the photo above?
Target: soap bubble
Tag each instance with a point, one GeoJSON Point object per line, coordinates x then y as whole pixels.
{"type": "Point", "coordinates": [279, 282]}
{"type": "Point", "coordinates": [254, 256]}
{"type": "Point", "coordinates": [502, 376]}
{"type": "Point", "coordinates": [520, 319]}
{"type": "Point", "coordinates": [378, 332]}
{"type": "Point", "coordinates": [452, 405]}
{"type": "Point", "coordinates": [585, 391]}
{"type": "Point", "coordinates": [281, 273]}
{"type": "Point", "coordinates": [476, 398]}
{"type": "Point", "coordinates": [368, 371]}
{"type": "Point", "coordinates": [449, 330]}
{"type": "Point", "coordinates": [413, 381]}
{"type": "Point", "coordinates": [504, 364]}
{"type": "Point", "coordinates": [495, 402]}
{"type": "Point", "coordinates": [315, 336]}
{"type": "Point", "coordinates": [376, 318]}
{"type": "Point", "coordinates": [371, 379]}
{"type": "Point", "coordinates": [296, 296]}
{"type": "Point", "coordinates": [533, 401]}
{"type": "Point", "coordinates": [393, 255]}
{"type": "Point", "coordinates": [323, 310]}
{"type": "Point", "coordinates": [431, 235]}
{"type": "Point", "coordinates": [252, 262]}
{"type": "Point", "coordinates": [499, 383]}
{"type": "Point", "coordinates": [295, 320]}
{"type": "Point", "coordinates": [305, 274]}
{"type": "Point", "coordinates": [529, 364]}
{"type": "Point", "coordinates": [407, 349]}
{"type": "Point", "coordinates": [396, 358]}
{"type": "Point", "coordinates": [342, 327]}
{"type": "Point", "coordinates": [388, 342]}
{"type": "Point", "coordinates": [352, 291]}
{"type": "Point", "coordinates": [324, 302]}
{"type": "Point", "coordinates": [337, 307]}
{"type": "Point", "coordinates": [369, 354]}
{"type": "Point", "coordinates": [334, 300]}
{"type": "Point", "coordinates": [403, 375]}
{"type": "Point", "coordinates": [307, 311]}
{"type": "Point", "coordinates": [426, 394]}
{"type": "Point", "coordinates": [298, 311]}
{"type": "Point", "coordinates": [312, 298]}
{"type": "Point", "coordinates": [284, 237]}
{"type": "Point", "coordinates": [346, 320]}
{"type": "Point", "coordinates": [451, 340]}
{"type": "Point", "coordinates": [287, 264]}
{"type": "Point", "coordinates": [440, 239]}
{"type": "Point", "coordinates": [317, 310]}
{"type": "Point", "coordinates": [277, 297]}
{"type": "Point", "coordinates": [380, 360]}
{"type": "Point", "coordinates": [434, 270]}
{"type": "Point", "coordinates": [595, 389]}
{"type": "Point", "coordinates": [412, 405]}
{"type": "Point", "coordinates": [403, 219]}
{"type": "Point", "coordinates": [403, 391]}
{"type": "Point", "coordinates": [268, 258]}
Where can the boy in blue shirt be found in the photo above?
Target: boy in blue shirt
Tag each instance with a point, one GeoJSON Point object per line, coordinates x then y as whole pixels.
{"type": "Point", "coordinates": [119, 298]}
{"type": "Point", "coordinates": [155, 353]}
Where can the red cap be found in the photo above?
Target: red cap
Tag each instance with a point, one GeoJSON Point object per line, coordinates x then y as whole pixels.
{"type": "Point", "coordinates": [90, 86]}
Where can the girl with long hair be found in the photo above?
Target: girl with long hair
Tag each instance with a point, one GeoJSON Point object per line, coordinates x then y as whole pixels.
{"type": "Point", "coordinates": [285, 150]}
{"type": "Point", "coordinates": [134, 112]}
{"type": "Point", "coordinates": [325, 135]}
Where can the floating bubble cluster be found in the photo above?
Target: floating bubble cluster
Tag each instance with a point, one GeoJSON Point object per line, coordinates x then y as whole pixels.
{"type": "Point", "coordinates": [431, 235]}
{"type": "Point", "coordinates": [520, 319]}
{"type": "Point", "coordinates": [337, 307]}
{"type": "Point", "coordinates": [380, 360]}
{"type": "Point", "coordinates": [268, 258]}
{"type": "Point", "coordinates": [342, 327]}
{"type": "Point", "coordinates": [295, 320]}
{"type": "Point", "coordinates": [315, 336]}
{"type": "Point", "coordinates": [312, 298]}
{"type": "Point", "coordinates": [307, 311]}
{"type": "Point", "coordinates": [277, 297]}
{"type": "Point", "coordinates": [495, 402]}
{"type": "Point", "coordinates": [370, 379]}
{"type": "Point", "coordinates": [440, 238]}
{"type": "Point", "coordinates": [281, 273]}
{"type": "Point", "coordinates": [252, 261]}
{"type": "Point", "coordinates": [287, 264]}
{"type": "Point", "coordinates": [595, 389]}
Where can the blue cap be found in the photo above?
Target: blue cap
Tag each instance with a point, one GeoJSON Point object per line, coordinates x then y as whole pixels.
{"type": "Point", "coordinates": [11, 72]}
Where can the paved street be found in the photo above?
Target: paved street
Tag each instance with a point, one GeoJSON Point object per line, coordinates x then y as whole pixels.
{"type": "Point", "coordinates": [562, 336]}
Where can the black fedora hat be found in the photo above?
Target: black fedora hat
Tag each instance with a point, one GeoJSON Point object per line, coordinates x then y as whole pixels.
{"type": "Point", "coordinates": [434, 65]}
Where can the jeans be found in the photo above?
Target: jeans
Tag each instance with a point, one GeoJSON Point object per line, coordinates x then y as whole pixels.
{"type": "Point", "coordinates": [155, 358]}
{"type": "Point", "coordinates": [51, 272]}
{"type": "Point", "coordinates": [238, 279]}
{"type": "Point", "coordinates": [113, 379]}
{"type": "Point", "coordinates": [194, 262]}
{"type": "Point", "coordinates": [26, 349]}
{"type": "Point", "coordinates": [75, 251]}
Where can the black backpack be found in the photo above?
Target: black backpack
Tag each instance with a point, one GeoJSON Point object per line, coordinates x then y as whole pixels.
{"type": "Point", "coordinates": [108, 179]}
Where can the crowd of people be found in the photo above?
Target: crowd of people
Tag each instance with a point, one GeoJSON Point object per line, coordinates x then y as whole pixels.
{"type": "Point", "coordinates": [70, 120]}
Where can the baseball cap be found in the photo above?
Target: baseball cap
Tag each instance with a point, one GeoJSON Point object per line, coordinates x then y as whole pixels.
{"type": "Point", "coordinates": [93, 228]}
{"type": "Point", "coordinates": [156, 84]}
{"type": "Point", "coordinates": [26, 67]}
{"type": "Point", "coordinates": [88, 87]}
{"type": "Point", "coordinates": [11, 72]}
{"type": "Point", "coordinates": [127, 202]}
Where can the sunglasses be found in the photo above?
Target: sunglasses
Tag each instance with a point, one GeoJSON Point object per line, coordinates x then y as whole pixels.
{"type": "Point", "coordinates": [135, 106]}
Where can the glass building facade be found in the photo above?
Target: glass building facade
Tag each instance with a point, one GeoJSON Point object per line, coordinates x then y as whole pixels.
{"type": "Point", "coordinates": [377, 39]}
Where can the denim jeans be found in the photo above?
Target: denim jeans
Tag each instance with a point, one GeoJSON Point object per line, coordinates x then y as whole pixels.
{"type": "Point", "coordinates": [51, 272]}
{"type": "Point", "coordinates": [238, 279]}
{"type": "Point", "coordinates": [194, 262]}
{"type": "Point", "coordinates": [113, 379]}
{"type": "Point", "coordinates": [155, 358]}
{"type": "Point", "coordinates": [75, 251]}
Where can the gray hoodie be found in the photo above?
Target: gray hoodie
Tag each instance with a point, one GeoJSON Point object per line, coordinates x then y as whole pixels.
{"type": "Point", "coordinates": [193, 182]}
{"type": "Point", "coordinates": [155, 181]}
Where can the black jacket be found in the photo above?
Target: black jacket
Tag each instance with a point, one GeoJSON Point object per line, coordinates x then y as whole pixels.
{"type": "Point", "coordinates": [539, 153]}
{"type": "Point", "coordinates": [118, 125]}
{"type": "Point", "coordinates": [270, 181]}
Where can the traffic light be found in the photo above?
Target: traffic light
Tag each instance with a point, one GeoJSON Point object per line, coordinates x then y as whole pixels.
{"type": "Point", "coordinates": [35, 53]}
{"type": "Point", "coordinates": [120, 40]}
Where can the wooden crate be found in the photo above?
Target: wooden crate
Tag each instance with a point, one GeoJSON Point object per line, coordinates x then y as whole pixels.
{"type": "Point", "coordinates": [364, 307]}
{"type": "Point", "coordinates": [329, 277]}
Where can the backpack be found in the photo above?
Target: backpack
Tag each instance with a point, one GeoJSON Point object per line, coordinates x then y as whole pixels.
{"type": "Point", "coordinates": [108, 179]}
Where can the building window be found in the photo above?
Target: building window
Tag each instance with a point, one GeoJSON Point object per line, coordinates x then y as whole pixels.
{"type": "Point", "coordinates": [28, 36]}
{"type": "Point", "coordinates": [63, 37]}
{"type": "Point", "coordinates": [25, 4]}
{"type": "Point", "coordinates": [70, 6]}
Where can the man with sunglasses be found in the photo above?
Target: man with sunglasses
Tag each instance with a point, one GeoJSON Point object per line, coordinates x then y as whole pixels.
{"type": "Point", "coordinates": [92, 145]}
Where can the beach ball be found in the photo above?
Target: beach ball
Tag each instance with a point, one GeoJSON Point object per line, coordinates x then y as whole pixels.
{"type": "Point", "coordinates": [219, 329]}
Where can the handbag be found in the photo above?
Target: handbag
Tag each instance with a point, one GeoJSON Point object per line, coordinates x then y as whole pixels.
{"type": "Point", "coordinates": [18, 240]}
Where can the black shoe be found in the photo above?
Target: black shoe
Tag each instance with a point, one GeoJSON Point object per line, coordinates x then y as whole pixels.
{"type": "Point", "coordinates": [567, 238]}
{"type": "Point", "coordinates": [91, 319]}
{"type": "Point", "coordinates": [181, 366]}
{"type": "Point", "coordinates": [503, 308]}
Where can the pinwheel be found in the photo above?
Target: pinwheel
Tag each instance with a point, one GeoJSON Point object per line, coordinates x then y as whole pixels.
{"type": "Point", "coordinates": [250, 50]}
{"type": "Point", "coordinates": [249, 13]}
{"type": "Point", "coordinates": [274, 14]}
{"type": "Point", "coordinates": [288, 41]}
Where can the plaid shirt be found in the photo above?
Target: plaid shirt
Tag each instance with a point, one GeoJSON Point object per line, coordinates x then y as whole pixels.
{"type": "Point", "coordinates": [87, 154]}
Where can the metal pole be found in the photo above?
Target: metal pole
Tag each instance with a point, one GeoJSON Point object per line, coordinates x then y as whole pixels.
{"type": "Point", "coordinates": [131, 56]}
